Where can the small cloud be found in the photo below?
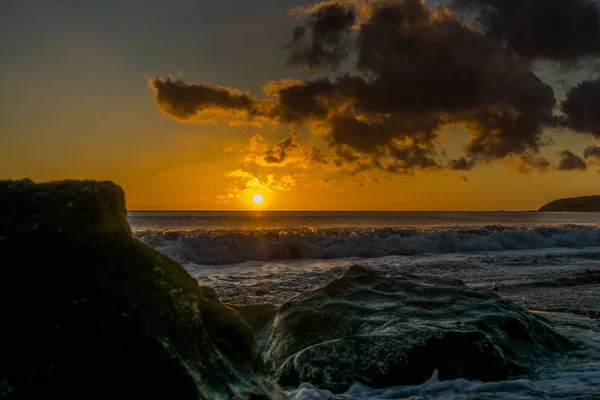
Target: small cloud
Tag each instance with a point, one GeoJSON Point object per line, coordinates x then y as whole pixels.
{"type": "Point", "coordinates": [228, 149]}
{"type": "Point", "coordinates": [592, 155]}
{"type": "Point", "coordinates": [462, 164]}
{"type": "Point", "coordinates": [238, 173]}
{"type": "Point", "coordinates": [592, 152]}
{"type": "Point", "coordinates": [527, 163]}
{"type": "Point", "coordinates": [571, 162]}
{"type": "Point", "coordinates": [203, 103]}
{"type": "Point", "coordinates": [462, 178]}
{"type": "Point", "coordinates": [288, 151]}
{"type": "Point", "coordinates": [245, 184]}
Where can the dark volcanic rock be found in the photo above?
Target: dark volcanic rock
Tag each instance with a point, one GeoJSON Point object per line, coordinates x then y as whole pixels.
{"type": "Point", "coordinates": [384, 329]}
{"type": "Point", "coordinates": [580, 204]}
{"type": "Point", "coordinates": [89, 312]}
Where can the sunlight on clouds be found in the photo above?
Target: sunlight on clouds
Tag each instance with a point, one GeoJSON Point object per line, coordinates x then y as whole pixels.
{"type": "Point", "coordinates": [246, 185]}
{"type": "Point", "coordinates": [361, 6]}
{"type": "Point", "coordinates": [288, 151]}
{"type": "Point", "coordinates": [527, 163]}
{"type": "Point", "coordinates": [433, 97]}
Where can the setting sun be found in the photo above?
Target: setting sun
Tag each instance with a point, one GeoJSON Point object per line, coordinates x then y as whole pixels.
{"type": "Point", "coordinates": [257, 199]}
{"type": "Point", "coordinates": [425, 169]}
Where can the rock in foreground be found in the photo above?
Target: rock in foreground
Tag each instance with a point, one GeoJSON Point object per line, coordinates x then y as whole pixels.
{"type": "Point", "coordinates": [386, 329]}
{"type": "Point", "coordinates": [89, 312]}
{"type": "Point", "coordinates": [576, 204]}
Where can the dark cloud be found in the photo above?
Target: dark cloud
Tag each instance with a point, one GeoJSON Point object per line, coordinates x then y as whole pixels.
{"type": "Point", "coordinates": [329, 26]}
{"type": "Point", "coordinates": [462, 164]}
{"type": "Point", "coordinates": [315, 156]}
{"type": "Point", "coordinates": [424, 68]}
{"type": "Point", "coordinates": [561, 30]}
{"type": "Point", "coordinates": [515, 125]}
{"type": "Point", "coordinates": [288, 151]}
{"type": "Point", "coordinates": [417, 69]}
{"type": "Point", "coordinates": [592, 152]}
{"type": "Point", "coordinates": [344, 155]}
{"type": "Point", "coordinates": [581, 108]}
{"type": "Point", "coordinates": [411, 155]}
{"type": "Point", "coordinates": [366, 135]}
{"type": "Point", "coordinates": [184, 102]}
{"type": "Point", "coordinates": [278, 153]}
{"type": "Point", "coordinates": [462, 178]}
{"type": "Point", "coordinates": [298, 101]}
{"type": "Point", "coordinates": [571, 162]}
{"type": "Point", "coordinates": [527, 163]}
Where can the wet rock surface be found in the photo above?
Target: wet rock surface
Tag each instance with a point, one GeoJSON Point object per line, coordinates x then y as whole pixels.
{"type": "Point", "coordinates": [386, 328]}
{"type": "Point", "coordinates": [90, 312]}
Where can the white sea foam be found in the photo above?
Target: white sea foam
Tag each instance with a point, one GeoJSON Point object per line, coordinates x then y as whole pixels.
{"type": "Point", "coordinates": [228, 247]}
{"type": "Point", "coordinates": [578, 384]}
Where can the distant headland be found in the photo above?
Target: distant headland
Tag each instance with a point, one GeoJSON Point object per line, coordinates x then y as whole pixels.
{"type": "Point", "coordinates": [578, 204]}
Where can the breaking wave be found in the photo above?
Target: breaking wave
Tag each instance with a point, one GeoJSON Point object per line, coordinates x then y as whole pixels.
{"type": "Point", "coordinates": [230, 247]}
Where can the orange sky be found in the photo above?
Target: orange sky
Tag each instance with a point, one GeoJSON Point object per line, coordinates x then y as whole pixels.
{"type": "Point", "coordinates": [77, 106]}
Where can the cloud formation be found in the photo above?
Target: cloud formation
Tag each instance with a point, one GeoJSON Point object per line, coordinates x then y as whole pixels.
{"type": "Point", "coordinates": [571, 162]}
{"type": "Point", "coordinates": [527, 163]}
{"type": "Point", "coordinates": [462, 164]}
{"type": "Point", "coordinates": [592, 152]}
{"type": "Point", "coordinates": [561, 30]}
{"type": "Point", "coordinates": [184, 102]}
{"type": "Point", "coordinates": [287, 151]}
{"type": "Point", "coordinates": [581, 108]}
{"type": "Point", "coordinates": [245, 184]}
{"type": "Point", "coordinates": [422, 69]}
{"type": "Point", "coordinates": [410, 71]}
{"type": "Point", "coordinates": [324, 39]}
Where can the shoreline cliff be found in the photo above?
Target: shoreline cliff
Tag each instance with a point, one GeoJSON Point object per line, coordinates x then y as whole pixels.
{"type": "Point", "coordinates": [575, 204]}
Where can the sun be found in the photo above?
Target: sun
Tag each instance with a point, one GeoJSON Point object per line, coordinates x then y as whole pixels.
{"type": "Point", "coordinates": [257, 199]}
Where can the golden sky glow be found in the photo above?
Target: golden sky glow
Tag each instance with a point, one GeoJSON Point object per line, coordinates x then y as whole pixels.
{"type": "Point", "coordinates": [77, 106]}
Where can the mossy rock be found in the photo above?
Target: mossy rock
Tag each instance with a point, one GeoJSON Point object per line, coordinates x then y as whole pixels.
{"type": "Point", "coordinates": [89, 312]}
{"type": "Point", "coordinates": [385, 328]}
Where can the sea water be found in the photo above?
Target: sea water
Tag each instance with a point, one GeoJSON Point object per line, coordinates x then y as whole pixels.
{"type": "Point", "coordinates": [546, 262]}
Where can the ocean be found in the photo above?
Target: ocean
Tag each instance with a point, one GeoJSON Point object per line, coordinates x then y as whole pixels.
{"type": "Point", "coordinates": [548, 263]}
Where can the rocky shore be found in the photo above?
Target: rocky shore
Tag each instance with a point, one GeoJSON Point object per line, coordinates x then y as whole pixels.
{"type": "Point", "coordinates": [91, 312]}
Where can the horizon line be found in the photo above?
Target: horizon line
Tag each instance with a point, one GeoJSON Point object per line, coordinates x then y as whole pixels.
{"type": "Point", "coordinates": [291, 210]}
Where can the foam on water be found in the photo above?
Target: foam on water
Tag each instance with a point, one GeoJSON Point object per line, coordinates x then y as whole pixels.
{"type": "Point", "coordinates": [227, 247]}
{"type": "Point", "coordinates": [577, 378]}
{"type": "Point", "coordinates": [540, 266]}
{"type": "Point", "coordinates": [541, 279]}
{"type": "Point", "coordinates": [537, 279]}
